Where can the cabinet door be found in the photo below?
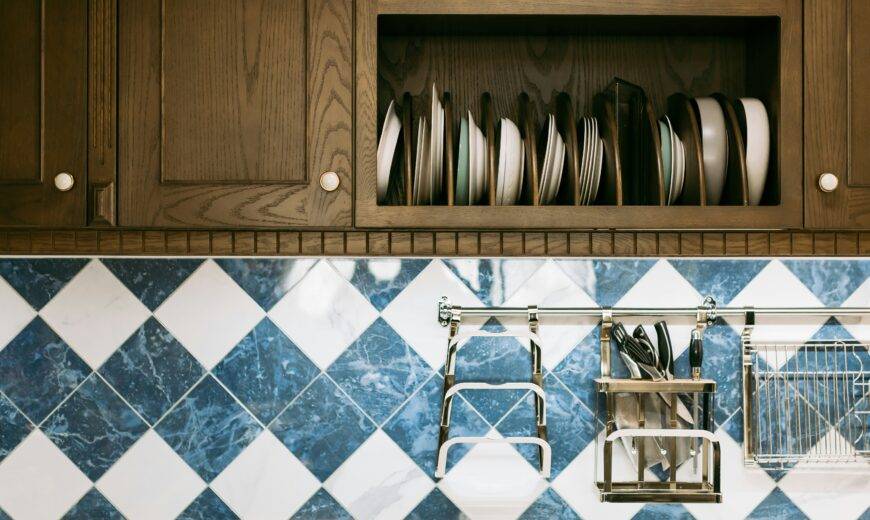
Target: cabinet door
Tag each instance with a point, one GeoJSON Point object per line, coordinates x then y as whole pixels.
{"type": "Point", "coordinates": [837, 112]}
{"type": "Point", "coordinates": [43, 111]}
{"type": "Point", "coordinates": [229, 112]}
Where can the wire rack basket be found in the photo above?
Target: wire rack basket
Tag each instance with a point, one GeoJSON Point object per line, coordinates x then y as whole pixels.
{"type": "Point", "coordinates": [807, 404]}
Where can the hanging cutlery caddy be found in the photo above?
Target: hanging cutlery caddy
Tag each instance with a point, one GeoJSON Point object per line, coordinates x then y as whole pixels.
{"type": "Point", "coordinates": [805, 404]}
{"type": "Point", "coordinates": [648, 418]}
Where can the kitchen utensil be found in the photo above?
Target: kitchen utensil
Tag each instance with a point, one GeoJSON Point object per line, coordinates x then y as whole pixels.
{"type": "Point", "coordinates": [462, 181]}
{"type": "Point", "coordinates": [641, 336]}
{"type": "Point", "coordinates": [387, 149]}
{"type": "Point", "coordinates": [666, 351]}
{"type": "Point", "coordinates": [696, 357]}
{"type": "Point", "coordinates": [757, 138]}
{"type": "Point", "coordinates": [714, 145]}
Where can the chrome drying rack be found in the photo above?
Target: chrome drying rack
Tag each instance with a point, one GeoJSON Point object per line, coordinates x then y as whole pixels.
{"type": "Point", "coordinates": [708, 489]}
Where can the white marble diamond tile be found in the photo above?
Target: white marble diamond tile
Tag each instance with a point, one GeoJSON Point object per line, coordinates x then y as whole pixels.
{"type": "Point", "coordinates": [150, 481]}
{"type": "Point", "coordinates": [209, 313]}
{"type": "Point", "coordinates": [265, 481]}
{"type": "Point", "coordinates": [827, 494]}
{"type": "Point", "coordinates": [743, 488]}
{"type": "Point", "coordinates": [17, 313]}
{"type": "Point", "coordinates": [663, 286]}
{"type": "Point", "coordinates": [38, 481]}
{"type": "Point", "coordinates": [379, 480]}
{"type": "Point", "coordinates": [859, 327]}
{"type": "Point", "coordinates": [414, 312]}
{"type": "Point", "coordinates": [777, 286]}
{"type": "Point", "coordinates": [551, 287]}
{"type": "Point", "coordinates": [493, 481]}
{"type": "Point", "coordinates": [576, 484]}
{"type": "Point", "coordinates": [94, 313]}
{"type": "Point", "coordinates": [323, 314]}
{"type": "Point", "coordinates": [496, 278]}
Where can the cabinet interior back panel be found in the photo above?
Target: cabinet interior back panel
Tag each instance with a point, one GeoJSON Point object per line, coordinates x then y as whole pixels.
{"type": "Point", "coordinates": [233, 91]}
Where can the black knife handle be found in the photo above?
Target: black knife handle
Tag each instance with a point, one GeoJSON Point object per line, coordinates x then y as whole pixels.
{"type": "Point", "coordinates": [696, 354]}
{"type": "Point", "coordinates": [663, 340]}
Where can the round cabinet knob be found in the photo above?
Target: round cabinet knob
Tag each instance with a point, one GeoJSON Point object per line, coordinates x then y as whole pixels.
{"type": "Point", "coordinates": [828, 182]}
{"type": "Point", "coordinates": [64, 181]}
{"type": "Point", "coordinates": [329, 181]}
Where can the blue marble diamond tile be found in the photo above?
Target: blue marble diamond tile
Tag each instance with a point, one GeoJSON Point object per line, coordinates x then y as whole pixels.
{"type": "Point", "coordinates": [416, 425]}
{"type": "Point", "coordinates": [94, 427]}
{"type": "Point", "coordinates": [208, 429]}
{"type": "Point", "coordinates": [777, 506]}
{"type": "Point", "coordinates": [93, 506]}
{"type": "Point", "coordinates": [321, 507]}
{"type": "Point", "coordinates": [582, 365]}
{"type": "Point", "coordinates": [606, 281]}
{"type": "Point", "coordinates": [4, 516]}
{"type": "Point", "coordinates": [493, 280]}
{"type": "Point", "coordinates": [379, 371]}
{"type": "Point", "coordinates": [662, 512]}
{"type": "Point", "coordinates": [436, 505]}
{"type": "Point", "coordinates": [549, 506]}
{"type": "Point", "coordinates": [380, 280]}
{"type": "Point", "coordinates": [152, 280]}
{"type": "Point", "coordinates": [38, 280]}
{"type": "Point", "coordinates": [265, 371]}
{"type": "Point", "coordinates": [721, 279]}
{"type": "Point", "coordinates": [832, 281]}
{"type": "Point", "coordinates": [14, 427]}
{"type": "Point", "coordinates": [151, 370]}
{"type": "Point", "coordinates": [266, 280]}
{"type": "Point", "coordinates": [207, 506]}
{"type": "Point", "coordinates": [322, 427]}
{"type": "Point", "coordinates": [38, 370]}
{"type": "Point", "coordinates": [865, 515]}
{"type": "Point", "coordinates": [570, 425]}
{"type": "Point", "coordinates": [734, 426]}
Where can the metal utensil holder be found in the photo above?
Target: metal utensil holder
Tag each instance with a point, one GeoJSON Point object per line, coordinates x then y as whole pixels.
{"type": "Point", "coordinates": [708, 487]}
{"type": "Point", "coordinates": [455, 341]}
{"type": "Point", "coordinates": [805, 403]}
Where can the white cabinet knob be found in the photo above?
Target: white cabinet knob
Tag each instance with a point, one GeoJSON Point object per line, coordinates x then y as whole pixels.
{"type": "Point", "coordinates": [828, 182]}
{"type": "Point", "coordinates": [64, 181]}
{"type": "Point", "coordinates": [329, 181]}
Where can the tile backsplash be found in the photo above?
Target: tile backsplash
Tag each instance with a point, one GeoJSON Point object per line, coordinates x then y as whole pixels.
{"type": "Point", "coordinates": [309, 388]}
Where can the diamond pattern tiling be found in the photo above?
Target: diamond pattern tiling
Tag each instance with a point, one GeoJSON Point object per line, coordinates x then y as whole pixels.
{"type": "Point", "coordinates": [721, 279]}
{"type": "Point", "coordinates": [38, 280]}
{"type": "Point", "coordinates": [38, 370]}
{"type": "Point", "coordinates": [570, 425]}
{"type": "Point", "coordinates": [265, 481]}
{"type": "Point", "coordinates": [151, 370]}
{"type": "Point", "coordinates": [94, 427]}
{"type": "Point", "coordinates": [436, 505]}
{"type": "Point", "coordinates": [832, 281]}
{"type": "Point", "coordinates": [379, 371]}
{"type": "Point", "coordinates": [38, 481]}
{"type": "Point", "coordinates": [493, 280]}
{"type": "Point", "coordinates": [379, 480]}
{"type": "Point", "coordinates": [322, 427]}
{"type": "Point", "coordinates": [94, 313]}
{"type": "Point", "coordinates": [493, 480]}
{"type": "Point", "coordinates": [207, 506]}
{"type": "Point", "coordinates": [549, 506]}
{"type": "Point", "coordinates": [416, 425]}
{"type": "Point", "coordinates": [266, 280]}
{"type": "Point", "coordinates": [208, 428]}
{"type": "Point", "coordinates": [150, 481]}
{"type": "Point", "coordinates": [93, 505]}
{"type": "Point", "coordinates": [549, 286]}
{"type": "Point", "coordinates": [606, 281]}
{"type": "Point", "coordinates": [577, 368]}
{"type": "Point", "coordinates": [152, 280]}
{"type": "Point", "coordinates": [14, 427]}
{"type": "Point", "coordinates": [859, 327]}
{"type": "Point", "coordinates": [412, 312]}
{"type": "Point", "coordinates": [380, 279]}
{"type": "Point", "coordinates": [321, 507]}
{"type": "Point", "coordinates": [17, 313]}
{"type": "Point", "coordinates": [209, 313]}
{"type": "Point", "coordinates": [265, 371]}
{"type": "Point", "coordinates": [323, 314]}
{"type": "Point", "coordinates": [660, 511]}
{"type": "Point", "coordinates": [777, 505]}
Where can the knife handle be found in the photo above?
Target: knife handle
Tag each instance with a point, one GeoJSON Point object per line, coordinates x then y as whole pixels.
{"type": "Point", "coordinates": [696, 354]}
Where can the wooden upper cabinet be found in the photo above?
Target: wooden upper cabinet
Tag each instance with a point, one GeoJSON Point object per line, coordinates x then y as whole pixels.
{"type": "Point", "coordinates": [229, 112]}
{"type": "Point", "coordinates": [837, 112]}
{"type": "Point", "coordinates": [43, 111]}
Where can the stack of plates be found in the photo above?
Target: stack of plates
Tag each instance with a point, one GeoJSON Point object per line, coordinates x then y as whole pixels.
{"type": "Point", "coordinates": [429, 163]}
{"type": "Point", "coordinates": [511, 163]}
{"type": "Point", "coordinates": [554, 162]}
{"type": "Point", "coordinates": [674, 161]}
{"type": "Point", "coordinates": [591, 161]}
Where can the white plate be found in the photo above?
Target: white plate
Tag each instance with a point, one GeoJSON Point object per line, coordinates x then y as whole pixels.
{"type": "Point", "coordinates": [670, 188]}
{"type": "Point", "coordinates": [476, 160]}
{"type": "Point", "coordinates": [421, 165]}
{"type": "Point", "coordinates": [559, 153]}
{"type": "Point", "coordinates": [584, 146]}
{"type": "Point", "coordinates": [504, 153]}
{"type": "Point", "coordinates": [513, 157]}
{"type": "Point", "coordinates": [714, 144]}
{"type": "Point", "coordinates": [679, 168]}
{"type": "Point", "coordinates": [593, 160]}
{"type": "Point", "coordinates": [757, 147]}
{"type": "Point", "coordinates": [436, 147]}
{"type": "Point", "coordinates": [598, 169]}
{"type": "Point", "coordinates": [387, 149]}
{"type": "Point", "coordinates": [546, 165]}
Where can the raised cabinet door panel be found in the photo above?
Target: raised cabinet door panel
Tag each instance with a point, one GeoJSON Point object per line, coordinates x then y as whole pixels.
{"type": "Point", "coordinates": [230, 111]}
{"type": "Point", "coordinates": [837, 112]}
{"type": "Point", "coordinates": [43, 111]}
